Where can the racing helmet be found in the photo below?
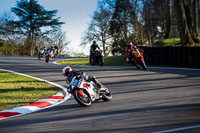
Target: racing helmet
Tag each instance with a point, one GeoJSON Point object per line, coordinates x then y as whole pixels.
{"type": "Point", "coordinates": [134, 47]}
{"type": "Point", "coordinates": [67, 71]}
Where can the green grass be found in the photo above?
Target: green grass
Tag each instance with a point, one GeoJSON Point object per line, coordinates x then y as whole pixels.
{"type": "Point", "coordinates": [172, 42]}
{"type": "Point", "coordinates": [75, 61]}
{"type": "Point", "coordinates": [17, 90]}
{"type": "Point", "coordinates": [169, 42]}
{"type": "Point", "coordinates": [115, 61]}
{"type": "Point", "coordinates": [108, 61]}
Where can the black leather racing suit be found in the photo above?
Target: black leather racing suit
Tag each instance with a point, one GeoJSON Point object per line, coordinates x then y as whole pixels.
{"type": "Point", "coordinates": [82, 74]}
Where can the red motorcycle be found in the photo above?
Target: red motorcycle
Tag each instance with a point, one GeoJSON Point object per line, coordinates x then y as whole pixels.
{"type": "Point", "coordinates": [49, 55]}
{"type": "Point", "coordinates": [136, 57]}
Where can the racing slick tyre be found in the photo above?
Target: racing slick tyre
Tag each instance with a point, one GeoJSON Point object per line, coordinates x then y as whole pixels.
{"type": "Point", "coordinates": [83, 99]}
{"type": "Point", "coordinates": [101, 61]}
{"type": "Point", "coordinates": [39, 57]}
{"type": "Point", "coordinates": [106, 95]}
{"type": "Point", "coordinates": [92, 62]}
{"type": "Point", "coordinates": [47, 59]}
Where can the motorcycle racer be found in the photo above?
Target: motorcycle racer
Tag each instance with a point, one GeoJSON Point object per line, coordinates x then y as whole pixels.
{"type": "Point", "coordinates": [70, 74]}
{"type": "Point", "coordinates": [93, 48]}
{"type": "Point", "coordinates": [54, 49]}
{"type": "Point", "coordinates": [41, 52]}
{"type": "Point", "coordinates": [96, 56]}
{"type": "Point", "coordinates": [85, 89]}
{"type": "Point", "coordinates": [135, 53]}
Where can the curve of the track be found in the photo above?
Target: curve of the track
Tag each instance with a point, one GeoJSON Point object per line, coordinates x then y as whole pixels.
{"type": "Point", "coordinates": [143, 101]}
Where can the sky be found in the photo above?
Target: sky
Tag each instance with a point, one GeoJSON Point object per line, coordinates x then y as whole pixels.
{"type": "Point", "coordinates": [75, 13]}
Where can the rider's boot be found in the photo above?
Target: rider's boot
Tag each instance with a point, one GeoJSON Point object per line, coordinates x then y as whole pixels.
{"type": "Point", "coordinates": [100, 86]}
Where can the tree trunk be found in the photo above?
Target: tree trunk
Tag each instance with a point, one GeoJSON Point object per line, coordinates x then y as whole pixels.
{"type": "Point", "coordinates": [104, 47]}
{"type": "Point", "coordinates": [195, 7]}
{"type": "Point", "coordinates": [150, 38]}
{"type": "Point", "coordinates": [32, 44]}
{"type": "Point", "coordinates": [142, 38]}
{"type": "Point", "coordinates": [182, 23]}
{"type": "Point", "coordinates": [168, 19]}
{"type": "Point", "coordinates": [190, 21]}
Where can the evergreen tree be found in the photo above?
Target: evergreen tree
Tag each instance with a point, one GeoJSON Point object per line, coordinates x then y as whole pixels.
{"type": "Point", "coordinates": [120, 26]}
{"type": "Point", "coordinates": [33, 17]}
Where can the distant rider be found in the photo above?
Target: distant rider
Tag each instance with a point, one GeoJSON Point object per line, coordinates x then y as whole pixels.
{"type": "Point", "coordinates": [56, 50]}
{"type": "Point", "coordinates": [93, 48]}
{"type": "Point", "coordinates": [43, 49]}
{"type": "Point", "coordinates": [50, 51]}
{"type": "Point", "coordinates": [53, 50]}
{"type": "Point", "coordinates": [41, 52]}
{"type": "Point", "coordinates": [70, 74]}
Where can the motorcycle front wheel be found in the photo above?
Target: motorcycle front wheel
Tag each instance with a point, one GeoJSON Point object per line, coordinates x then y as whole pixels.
{"type": "Point", "coordinates": [92, 62]}
{"type": "Point", "coordinates": [84, 99]}
{"type": "Point", "coordinates": [39, 58]}
{"type": "Point", "coordinates": [101, 61]}
{"type": "Point", "coordinates": [47, 60]}
{"type": "Point", "coordinates": [106, 95]}
{"type": "Point", "coordinates": [143, 65]}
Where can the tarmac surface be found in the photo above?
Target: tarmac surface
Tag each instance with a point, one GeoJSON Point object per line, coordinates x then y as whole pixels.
{"type": "Point", "coordinates": [143, 101]}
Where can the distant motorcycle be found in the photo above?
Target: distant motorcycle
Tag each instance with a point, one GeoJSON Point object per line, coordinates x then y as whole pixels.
{"type": "Point", "coordinates": [41, 54]}
{"type": "Point", "coordinates": [97, 58]}
{"type": "Point", "coordinates": [138, 56]}
{"type": "Point", "coordinates": [85, 92]}
{"type": "Point", "coordinates": [49, 55]}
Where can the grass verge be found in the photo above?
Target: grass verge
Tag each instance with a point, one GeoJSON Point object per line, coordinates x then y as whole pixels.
{"type": "Point", "coordinates": [75, 61]}
{"type": "Point", "coordinates": [17, 90]}
{"type": "Point", "coordinates": [108, 61]}
{"type": "Point", "coordinates": [172, 42]}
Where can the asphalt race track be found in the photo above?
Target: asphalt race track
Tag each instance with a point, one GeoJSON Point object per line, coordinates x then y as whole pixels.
{"type": "Point", "coordinates": [143, 101]}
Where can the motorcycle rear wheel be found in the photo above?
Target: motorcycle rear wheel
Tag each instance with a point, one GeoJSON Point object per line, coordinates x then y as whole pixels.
{"type": "Point", "coordinates": [84, 100]}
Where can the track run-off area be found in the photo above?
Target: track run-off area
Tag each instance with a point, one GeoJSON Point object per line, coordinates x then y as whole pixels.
{"type": "Point", "coordinates": [143, 101]}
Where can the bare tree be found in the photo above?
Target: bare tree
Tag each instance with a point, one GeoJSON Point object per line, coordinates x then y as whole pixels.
{"type": "Point", "coordinates": [59, 39]}
{"type": "Point", "coordinates": [99, 29]}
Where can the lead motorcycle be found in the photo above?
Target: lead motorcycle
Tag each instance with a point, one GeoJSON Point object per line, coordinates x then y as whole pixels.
{"type": "Point", "coordinates": [49, 55]}
{"type": "Point", "coordinates": [85, 92]}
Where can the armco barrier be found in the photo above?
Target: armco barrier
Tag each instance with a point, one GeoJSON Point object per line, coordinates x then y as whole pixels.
{"type": "Point", "coordinates": [172, 56]}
